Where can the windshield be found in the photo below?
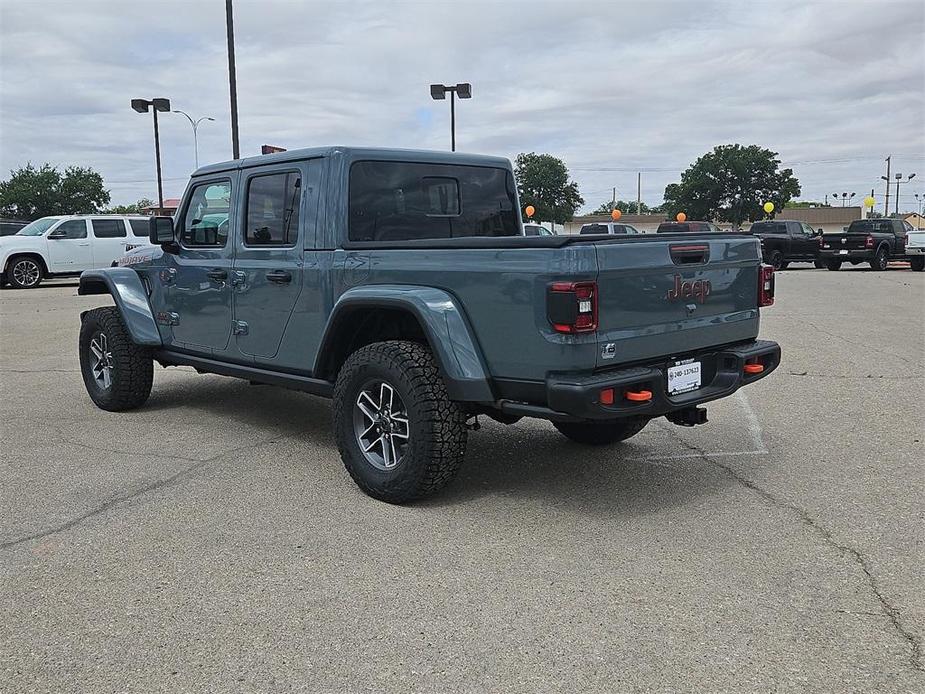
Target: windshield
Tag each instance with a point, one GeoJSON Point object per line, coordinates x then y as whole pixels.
{"type": "Point", "coordinates": [37, 228]}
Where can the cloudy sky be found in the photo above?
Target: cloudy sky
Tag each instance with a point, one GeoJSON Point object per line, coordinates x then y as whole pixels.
{"type": "Point", "coordinates": [613, 88]}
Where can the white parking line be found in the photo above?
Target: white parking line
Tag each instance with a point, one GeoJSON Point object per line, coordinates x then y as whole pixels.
{"type": "Point", "coordinates": [754, 428]}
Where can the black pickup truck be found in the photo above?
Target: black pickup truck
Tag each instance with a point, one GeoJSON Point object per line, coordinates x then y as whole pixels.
{"type": "Point", "coordinates": [784, 241]}
{"type": "Point", "coordinates": [874, 241]}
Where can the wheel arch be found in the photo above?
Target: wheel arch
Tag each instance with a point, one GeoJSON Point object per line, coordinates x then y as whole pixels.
{"type": "Point", "coordinates": [28, 254]}
{"type": "Point", "coordinates": [131, 299]}
{"type": "Point", "coordinates": [425, 314]}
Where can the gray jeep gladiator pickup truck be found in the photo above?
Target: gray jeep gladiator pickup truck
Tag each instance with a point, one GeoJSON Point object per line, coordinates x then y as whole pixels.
{"type": "Point", "coordinates": [401, 284]}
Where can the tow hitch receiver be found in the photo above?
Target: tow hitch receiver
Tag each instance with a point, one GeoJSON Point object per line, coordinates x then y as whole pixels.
{"type": "Point", "coordinates": [688, 417]}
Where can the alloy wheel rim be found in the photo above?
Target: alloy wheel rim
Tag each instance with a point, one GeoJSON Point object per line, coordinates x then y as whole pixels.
{"type": "Point", "coordinates": [380, 423]}
{"type": "Point", "coordinates": [26, 273]}
{"type": "Point", "coordinates": [101, 361]}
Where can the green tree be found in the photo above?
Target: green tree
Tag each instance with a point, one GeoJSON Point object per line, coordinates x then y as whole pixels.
{"type": "Point", "coordinates": [542, 181]}
{"type": "Point", "coordinates": [624, 207]}
{"type": "Point", "coordinates": [31, 192]}
{"type": "Point", "coordinates": [133, 208]}
{"type": "Point", "coordinates": [731, 184]}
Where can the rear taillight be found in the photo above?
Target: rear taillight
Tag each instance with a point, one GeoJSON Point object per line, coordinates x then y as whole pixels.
{"type": "Point", "coordinates": [572, 306]}
{"type": "Point", "coordinates": [869, 242]}
{"type": "Point", "coordinates": [766, 285]}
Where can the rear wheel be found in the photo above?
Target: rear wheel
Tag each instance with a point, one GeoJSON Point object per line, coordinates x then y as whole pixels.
{"type": "Point", "coordinates": [776, 260]}
{"type": "Point", "coordinates": [601, 433]}
{"type": "Point", "coordinates": [24, 272]}
{"type": "Point", "coordinates": [117, 373]}
{"type": "Point", "coordinates": [399, 434]}
{"type": "Point", "coordinates": [833, 264]}
{"type": "Point", "coordinates": [881, 259]}
{"type": "Point", "coordinates": [818, 264]}
{"type": "Point", "coordinates": [783, 266]}
{"type": "Point", "coordinates": [917, 263]}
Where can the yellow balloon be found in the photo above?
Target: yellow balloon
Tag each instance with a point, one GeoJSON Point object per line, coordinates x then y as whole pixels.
{"type": "Point", "coordinates": [869, 201]}
{"type": "Point", "coordinates": [769, 207]}
{"type": "Point", "coordinates": [530, 210]}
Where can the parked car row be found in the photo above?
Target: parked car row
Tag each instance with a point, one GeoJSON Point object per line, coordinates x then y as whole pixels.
{"type": "Point", "coordinates": [66, 246]}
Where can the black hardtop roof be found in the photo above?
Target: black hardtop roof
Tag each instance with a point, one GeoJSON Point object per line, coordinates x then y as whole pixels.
{"type": "Point", "coordinates": [358, 154]}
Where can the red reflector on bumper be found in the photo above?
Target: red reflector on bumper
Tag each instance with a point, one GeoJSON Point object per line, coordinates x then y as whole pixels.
{"type": "Point", "coordinates": [606, 397]}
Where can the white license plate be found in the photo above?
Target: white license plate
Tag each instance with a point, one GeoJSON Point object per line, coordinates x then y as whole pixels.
{"type": "Point", "coordinates": [683, 378]}
{"type": "Point", "coordinates": [843, 252]}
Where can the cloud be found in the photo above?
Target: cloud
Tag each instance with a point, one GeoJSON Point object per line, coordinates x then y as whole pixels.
{"type": "Point", "coordinates": [612, 88]}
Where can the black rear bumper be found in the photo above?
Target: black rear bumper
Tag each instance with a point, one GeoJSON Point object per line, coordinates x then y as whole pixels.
{"type": "Point", "coordinates": [857, 255]}
{"type": "Point", "coordinates": [577, 396]}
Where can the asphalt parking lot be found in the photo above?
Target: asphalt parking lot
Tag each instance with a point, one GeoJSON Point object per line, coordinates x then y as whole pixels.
{"type": "Point", "coordinates": [212, 540]}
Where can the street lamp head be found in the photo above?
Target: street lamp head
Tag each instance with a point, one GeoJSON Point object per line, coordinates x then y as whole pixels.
{"type": "Point", "coordinates": [141, 105]}
{"type": "Point", "coordinates": [852, 195]}
{"type": "Point", "coordinates": [898, 176]}
{"type": "Point", "coordinates": [209, 118]}
{"type": "Point", "coordinates": [437, 92]}
{"type": "Point", "coordinates": [844, 195]}
{"type": "Point", "coordinates": [911, 176]}
{"type": "Point", "coordinates": [161, 104]}
{"type": "Point", "coordinates": [464, 90]}
{"type": "Point", "coordinates": [884, 178]}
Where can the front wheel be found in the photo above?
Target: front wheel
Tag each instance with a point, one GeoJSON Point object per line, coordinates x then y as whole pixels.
{"type": "Point", "coordinates": [818, 264]}
{"type": "Point", "coordinates": [24, 272]}
{"type": "Point", "coordinates": [833, 265]}
{"type": "Point", "coordinates": [399, 434]}
{"type": "Point", "coordinates": [601, 433]}
{"type": "Point", "coordinates": [881, 259]}
{"type": "Point", "coordinates": [117, 373]}
{"type": "Point", "coordinates": [917, 263]}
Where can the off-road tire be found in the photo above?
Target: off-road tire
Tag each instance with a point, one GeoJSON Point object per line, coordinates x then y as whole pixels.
{"type": "Point", "coordinates": [917, 263]}
{"type": "Point", "coordinates": [601, 433]}
{"type": "Point", "coordinates": [37, 270]}
{"type": "Point", "coordinates": [132, 365]}
{"type": "Point", "coordinates": [776, 260]}
{"type": "Point", "coordinates": [833, 265]}
{"type": "Point", "coordinates": [436, 425]}
{"type": "Point", "coordinates": [819, 265]}
{"type": "Point", "coordinates": [881, 259]}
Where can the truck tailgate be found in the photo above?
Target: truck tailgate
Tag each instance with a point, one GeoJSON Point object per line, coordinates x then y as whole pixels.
{"type": "Point", "coordinates": [844, 241]}
{"type": "Point", "coordinates": [671, 296]}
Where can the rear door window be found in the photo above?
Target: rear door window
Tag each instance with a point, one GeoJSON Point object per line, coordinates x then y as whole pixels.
{"type": "Point", "coordinates": [139, 227]}
{"type": "Point", "coordinates": [273, 202]}
{"type": "Point", "coordinates": [400, 201]}
{"type": "Point", "coordinates": [108, 228]}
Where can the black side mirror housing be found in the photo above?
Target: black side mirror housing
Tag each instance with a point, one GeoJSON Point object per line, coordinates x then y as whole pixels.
{"type": "Point", "coordinates": [160, 230]}
{"type": "Point", "coordinates": [57, 234]}
{"type": "Point", "coordinates": [819, 231]}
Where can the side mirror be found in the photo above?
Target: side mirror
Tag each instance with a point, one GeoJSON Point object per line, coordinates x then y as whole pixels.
{"type": "Point", "coordinates": [819, 231]}
{"type": "Point", "coordinates": [844, 228]}
{"type": "Point", "coordinates": [160, 230]}
{"type": "Point", "coordinates": [57, 234]}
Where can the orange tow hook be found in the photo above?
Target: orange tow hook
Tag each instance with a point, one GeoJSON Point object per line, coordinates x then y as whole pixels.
{"type": "Point", "coordinates": [753, 368]}
{"type": "Point", "coordinates": [638, 395]}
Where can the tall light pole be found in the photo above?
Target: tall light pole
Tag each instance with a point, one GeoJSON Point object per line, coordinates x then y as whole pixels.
{"type": "Point", "coordinates": [438, 92]}
{"type": "Point", "coordinates": [899, 180]}
{"type": "Point", "coordinates": [845, 197]}
{"type": "Point", "coordinates": [232, 79]}
{"type": "Point", "coordinates": [195, 124]}
{"type": "Point", "coordinates": [920, 202]}
{"type": "Point", "coordinates": [163, 105]}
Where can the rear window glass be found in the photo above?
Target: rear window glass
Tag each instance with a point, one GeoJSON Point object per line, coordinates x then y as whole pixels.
{"type": "Point", "coordinates": [868, 225]}
{"type": "Point", "coordinates": [108, 228]}
{"type": "Point", "coordinates": [672, 227]}
{"type": "Point", "coordinates": [594, 229]}
{"type": "Point", "coordinates": [139, 227]}
{"type": "Point", "coordinates": [769, 228]}
{"type": "Point", "coordinates": [400, 201]}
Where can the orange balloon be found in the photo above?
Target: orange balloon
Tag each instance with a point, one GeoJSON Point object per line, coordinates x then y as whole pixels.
{"type": "Point", "coordinates": [615, 214]}
{"type": "Point", "coordinates": [530, 209]}
{"type": "Point", "coordinates": [681, 216]}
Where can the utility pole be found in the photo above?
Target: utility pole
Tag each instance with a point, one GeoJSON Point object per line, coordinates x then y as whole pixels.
{"type": "Point", "coordinates": [639, 193]}
{"type": "Point", "coordinates": [886, 202]}
{"type": "Point", "coordinates": [613, 201]}
{"type": "Point", "coordinates": [232, 80]}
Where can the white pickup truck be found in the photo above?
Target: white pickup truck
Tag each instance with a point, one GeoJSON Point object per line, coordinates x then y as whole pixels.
{"type": "Point", "coordinates": [915, 249]}
{"type": "Point", "coordinates": [66, 246]}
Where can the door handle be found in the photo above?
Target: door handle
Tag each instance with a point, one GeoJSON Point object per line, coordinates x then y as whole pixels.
{"type": "Point", "coordinates": [217, 275]}
{"type": "Point", "coordinates": [279, 276]}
